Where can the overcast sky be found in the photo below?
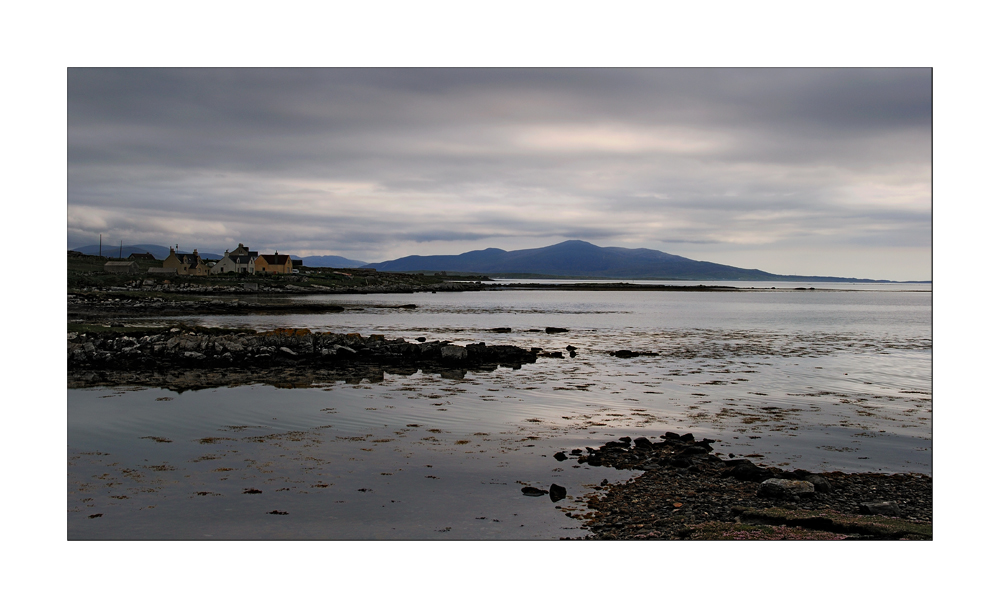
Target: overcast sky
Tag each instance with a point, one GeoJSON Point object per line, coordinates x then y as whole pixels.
{"type": "Point", "coordinates": [792, 171]}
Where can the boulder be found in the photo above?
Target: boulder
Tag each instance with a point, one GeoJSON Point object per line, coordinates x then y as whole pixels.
{"type": "Point", "coordinates": [557, 493]}
{"type": "Point", "coordinates": [288, 351]}
{"type": "Point", "coordinates": [555, 330]}
{"type": "Point", "coordinates": [820, 483]}
{"type": "Point", "coordinates": [560, 456]}
{"type": "Point", "coordinates": [641, 443]}
{"type": "Point", "coordinates": [695, 450]}
{"type": "Point", "coordinates": [744, 470]}
{"type": "Point", "coordinates": [454, 353]}
{"type": "Point", "coordinates": [785, 488]}
{"type": "Point", "coordinates": [533, 492]}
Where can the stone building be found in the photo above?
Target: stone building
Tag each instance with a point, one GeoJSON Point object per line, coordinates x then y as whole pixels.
{"type": "Point", "coordinates": [121, 267]}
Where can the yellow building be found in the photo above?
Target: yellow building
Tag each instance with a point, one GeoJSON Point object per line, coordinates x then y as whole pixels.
{"type": "Point", "coordinates": [273, 264]}
{"type": "Point", "coordinates": [186, 263]}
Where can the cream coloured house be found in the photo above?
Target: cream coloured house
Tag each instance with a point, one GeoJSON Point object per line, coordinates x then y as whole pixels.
{"type": "Point", "coordinates": [186, 263]}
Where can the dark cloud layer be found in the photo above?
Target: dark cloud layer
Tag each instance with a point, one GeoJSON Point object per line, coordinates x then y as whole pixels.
{"type": "Point", "coordinates": [731, 165]}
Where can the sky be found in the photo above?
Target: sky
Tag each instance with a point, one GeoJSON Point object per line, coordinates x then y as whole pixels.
{"type": "Point", "coordinates": [792, 171]}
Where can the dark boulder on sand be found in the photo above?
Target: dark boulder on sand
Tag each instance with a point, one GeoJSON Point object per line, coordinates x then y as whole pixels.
{"type": "Point", "coordinates": [744, 470]}
{"type": "Point", "coordinates": [557, 492]}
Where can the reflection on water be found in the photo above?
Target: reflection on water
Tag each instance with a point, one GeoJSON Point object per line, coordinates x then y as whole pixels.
{"type": "Point", "coordinates": [821, 381]}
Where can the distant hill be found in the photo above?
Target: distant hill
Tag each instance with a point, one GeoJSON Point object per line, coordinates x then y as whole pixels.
{"type": "Point", "coordinates": [329, 261]}
{"type": "Point", "coordinates": [584, 260]}
{"type": "Point", "coordinates": [159, 251]}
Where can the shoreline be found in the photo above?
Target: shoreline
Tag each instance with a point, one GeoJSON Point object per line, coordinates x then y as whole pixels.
{"type": "Point", "coordinates": [686, 492]}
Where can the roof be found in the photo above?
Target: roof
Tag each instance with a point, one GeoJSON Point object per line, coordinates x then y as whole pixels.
{"type": "Point", "coordinates": [276, 260]}
{"type": "Point", "coordinates": [142, 256]}
{"type": "Point", "coordinates": [242, 259]}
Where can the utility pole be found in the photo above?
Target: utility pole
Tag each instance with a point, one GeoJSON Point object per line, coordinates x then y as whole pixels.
{"type": "Point", "coordinates": [100, 245]}
{"type": "Point", "coordinates": [120, 249]}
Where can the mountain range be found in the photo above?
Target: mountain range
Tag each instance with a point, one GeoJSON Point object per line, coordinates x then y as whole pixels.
{"type": "Point", "coordinates": [581, 259]}
{"type": "Point", "coordinates": [570, 259]}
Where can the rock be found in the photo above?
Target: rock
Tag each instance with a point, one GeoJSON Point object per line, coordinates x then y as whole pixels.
{"type": "Point", "coordinates": [555, 330]}
{"type": "Point", "coordinates": [557, 493]}
{"type": "Point", "coordinates": [561, 456]}
{"type": "Point", "coordinates": [744, 470]}
{"type": "Point", "coordinates": [288, 351]}
{"type": "Point", "coordinates": [421, 339]}
{"type": "Point", "coordinates": [785, 488]}
{"type": "Point", "coordinates": [454, 353]}
{"type": "Point", "coordinates": [571, 348]}
{"type": "Point", "coordinates": [533, 492]}
{"type": "Point", "coordinates": [820, 483]}
{"type": "Point", "coordinates": [888, 508]}
{"type": "Point", "coordinates": [193, 355]}
{"type": "Point", "coordinates": [694, 450]}
{"type": "Point", "coordinates": [627, 354]}
{"type": "Point", "coordinates": [642, 443]}
{"type": "Point", "coordinates": [500, 330]}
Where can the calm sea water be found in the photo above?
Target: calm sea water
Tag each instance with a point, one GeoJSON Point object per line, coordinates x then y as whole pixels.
{"type": "Point", "coordinates": [831, 379]}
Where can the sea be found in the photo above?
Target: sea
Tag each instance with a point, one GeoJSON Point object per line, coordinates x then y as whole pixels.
{"type": "Point", "coordinates": [817, 376]}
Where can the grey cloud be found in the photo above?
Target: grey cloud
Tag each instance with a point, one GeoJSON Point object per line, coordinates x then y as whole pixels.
{"type": "Point", "coordinates": [367, 161]}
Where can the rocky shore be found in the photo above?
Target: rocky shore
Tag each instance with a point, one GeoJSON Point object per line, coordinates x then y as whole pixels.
{"type": "Point", "coordinates": [686, 491]}
{"type": "Point", "coordinates": [214, 357]}
{"type": "Point", "coordinates": [111, 305]}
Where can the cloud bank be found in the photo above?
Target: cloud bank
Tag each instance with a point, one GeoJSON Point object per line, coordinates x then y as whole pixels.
{"type": "Point", "coordinates": [793, 171]}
